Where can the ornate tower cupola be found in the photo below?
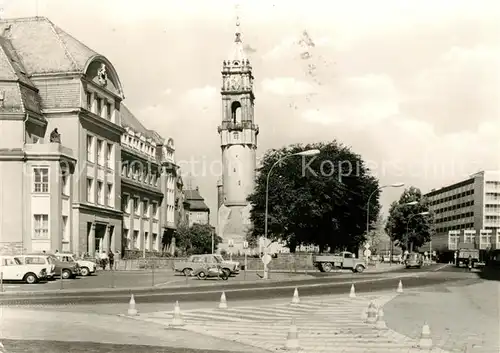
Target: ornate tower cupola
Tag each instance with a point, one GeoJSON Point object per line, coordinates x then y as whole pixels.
{"type": "Point", "coordinates": [237, 131]}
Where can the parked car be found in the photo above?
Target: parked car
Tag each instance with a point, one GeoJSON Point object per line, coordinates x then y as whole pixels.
{"type": "Point", "coordinates": [194, 262]}
{"type": "Point", "coordinates": [65, 266]}
{"type": "Point", "coordinates": [86, 267]}
{"type": "Point", "coordinates": [13, 270]}
{"type": "Point", "coordinates": [414, 260]}
{"type": "Point", "coordinates": [39, 259]}
{"type": "Point", "coordinates": [236, 264]}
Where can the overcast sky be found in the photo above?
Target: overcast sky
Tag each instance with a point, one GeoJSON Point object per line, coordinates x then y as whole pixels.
{"type": "Point", "coordinates": [412, 86]}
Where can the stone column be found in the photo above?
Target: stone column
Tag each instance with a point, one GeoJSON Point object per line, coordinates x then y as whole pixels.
{"type": "Point", "coordinates": [106, 239]}
{"type": "Point", "coordinates": [91, 241]}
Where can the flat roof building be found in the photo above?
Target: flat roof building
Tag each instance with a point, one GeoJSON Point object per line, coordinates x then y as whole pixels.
{"type": "Point", "coordinates": [471, 204]}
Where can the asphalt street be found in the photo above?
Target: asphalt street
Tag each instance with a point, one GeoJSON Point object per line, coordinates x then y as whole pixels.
{"type": "Point", "coordinates": [240, 291]}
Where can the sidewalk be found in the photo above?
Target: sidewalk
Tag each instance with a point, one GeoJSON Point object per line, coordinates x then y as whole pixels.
{"type": "Point", "coordinates": [461, 318]}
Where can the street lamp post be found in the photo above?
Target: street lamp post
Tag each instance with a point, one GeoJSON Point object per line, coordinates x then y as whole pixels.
{"type": "Point", "coordinates": [397, 185]}
{"type": "Point", "coordinates": [408, 226]}
{"type": "Point", "coordinates": [303, 153]}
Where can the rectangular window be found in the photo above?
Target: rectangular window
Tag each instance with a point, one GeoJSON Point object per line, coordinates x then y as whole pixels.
{"type": "Point", "coordinates": [109, 155]}
{"type": "Point", "coordinates": [99, 152]}
{"type": "Point", "coordinates": [90, 148]}
{"type": "Point", "coordinates": [136, 206]}
{"type": "Point", "coordinates": [65, 184]}
{"type": "Point", "coordinates": [88, 96]}
{"type": "Point", "coordinates": [146, 240]}
{"type": "Point", "coordinates": [145, 208]}
{"type": "Point", "coordinates": [109, 195]}
{"type": "Point", "coordinates": [108, 110]}
{"type": "Point", "coordinates": [65, 233]}
{"type": "Point", "coordinates": [90, 190]}
{"type": "Point", "coordinates": [98, 106]}
{"type": "Point", "coordinates": [99, 192]}
{"type": "Point", "coordinates": [155, 210]}
{"type": "Point", "coordinates": [41, 179]}
{"type": "Point", "coordinates": [155, 242]}
{"type": "Point", "coordinates": [135, 239]}
{"type": "Point", "coordinates": [41, 226]}
{"type": "Point", "coordinates": [125, 202]}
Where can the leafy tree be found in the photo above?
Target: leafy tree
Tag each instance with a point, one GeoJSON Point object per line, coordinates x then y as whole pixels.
{"type": "Point", "coordinates": [201, 238]}
{"type": "Point", "coordinates": [404, 223]}
{"type": "Point", "coordinates": [377, 234]}
{"type": "Point", "coordinates": [315, 200]}
{"type": "Point", "coordinates": [196, 239]}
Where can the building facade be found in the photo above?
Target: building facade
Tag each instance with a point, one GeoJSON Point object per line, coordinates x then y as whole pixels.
{"type": "Point", "coordinates": [74, 175]}
{"type": "Point", "coordinates": [197, 211]}
{"type": "Point", "coordinates": [238, 137]}
{"type": "Point", "coordinates": [467, 212]}
{"type": "Point", "coordinates": [36, 171]}
{"type": "Point", "coordinates": [169, 171]}
{"type": "Point", "coordinates": [141, 185]}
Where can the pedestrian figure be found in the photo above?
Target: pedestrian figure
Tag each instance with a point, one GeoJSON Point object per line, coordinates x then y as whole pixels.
{"type": "Point", "coordinates": [111, 257]}
{"type": "Point", "coordinates": [104, 259]}
{"type": "Point", "coordinates": [469, 264]}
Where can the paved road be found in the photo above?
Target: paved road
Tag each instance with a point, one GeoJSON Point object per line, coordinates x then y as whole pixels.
{"type": "Point", "coordinates": [263, 290]}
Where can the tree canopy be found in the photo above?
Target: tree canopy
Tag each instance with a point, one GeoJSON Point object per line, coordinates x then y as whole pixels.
{"type": "Point", "coordinates": [196, 239]}
{"type": "Point", "coordinates": [404, 223]}
{"type": "Point", "coordinates": [315, 200]}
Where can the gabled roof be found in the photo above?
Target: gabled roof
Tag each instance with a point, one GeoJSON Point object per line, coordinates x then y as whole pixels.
{"type": "Point", "coordinates": [195, 200]}
{"type": "Point", "coordinates": [12, 70]}
{"type": "Point", "coordinates": [45, 48]}
{"type": "Point", "coordinates": [129, 120]}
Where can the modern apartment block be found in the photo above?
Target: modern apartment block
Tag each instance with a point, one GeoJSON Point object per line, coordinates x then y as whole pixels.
{"type": "Point", "coordinates": [467, 212]}
{"type": "Point", "coordinates": [76, 167]}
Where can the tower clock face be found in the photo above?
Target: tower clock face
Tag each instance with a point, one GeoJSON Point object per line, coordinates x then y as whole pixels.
{"type": "Point", "coordinates": [235, 82]}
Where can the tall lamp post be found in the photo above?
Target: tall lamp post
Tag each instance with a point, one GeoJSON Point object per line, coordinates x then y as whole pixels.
{"type": "Point", "coordinates": [397, 185]}
{"type": "Point", "coordinates": [303, 153]}
{"type": "Point", "coordinates": [408, 226]}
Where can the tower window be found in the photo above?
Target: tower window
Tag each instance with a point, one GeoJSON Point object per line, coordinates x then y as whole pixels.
{"type": "Point", "coordinates": [234, 170]}
{"type": "Point", "coordinates": [239, 182]}
{"type": "Point", "coordinates": [235, 135]}
{"type": "Point", "coordinates": [236, 112]}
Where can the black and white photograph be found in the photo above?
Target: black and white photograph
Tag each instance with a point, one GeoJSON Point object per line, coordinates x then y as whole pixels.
{"type": "Point", "coordinates": [249, 176]}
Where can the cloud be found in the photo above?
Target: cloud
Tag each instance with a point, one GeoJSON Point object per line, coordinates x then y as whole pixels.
{"type": "Point", "coordinates": [167, 92]}
{"type": "Point", "coordinates": [287, 86]}
{"type": "Point", "coordinates": [292, 47]}
{"type": "Point", "coordinates": [320, 117]}
{"type": "Point", "coordinates": [201, 95]}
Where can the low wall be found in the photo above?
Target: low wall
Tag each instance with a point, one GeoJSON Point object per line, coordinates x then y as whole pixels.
{"type": "Point", "coordinates": [284, 262]}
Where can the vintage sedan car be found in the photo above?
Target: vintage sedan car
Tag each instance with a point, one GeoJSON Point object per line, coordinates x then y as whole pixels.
{"type": "Point", "coordinates": [194, 262]}
{"type": "Point", "coordinates": [414, 260]}
{"type": "Point", "coordinates": [39, 259]}
{"type": "Point", "coordinates": [13, 270]}
{"type": "Point", "coordinates": [65, 267]}
{"type": "Point", "coordinates": [86, 267]}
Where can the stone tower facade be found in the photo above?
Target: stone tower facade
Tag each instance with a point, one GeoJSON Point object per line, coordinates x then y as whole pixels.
{"type": "Point", "coordinates": [238, 136]}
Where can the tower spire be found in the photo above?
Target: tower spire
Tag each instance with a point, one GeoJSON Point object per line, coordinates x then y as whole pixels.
{"type": "Point", "coordinates": [237, 38]}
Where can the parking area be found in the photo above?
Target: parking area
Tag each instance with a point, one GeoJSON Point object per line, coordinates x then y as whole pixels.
{"type": "Point", "coordinates": [132, 279]}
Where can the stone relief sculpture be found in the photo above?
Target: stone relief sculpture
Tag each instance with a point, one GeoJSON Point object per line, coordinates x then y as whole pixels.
{"type": "Point", "coordinates": [102, 75]}
{"type": "Point", "coordinates": [55, 136]}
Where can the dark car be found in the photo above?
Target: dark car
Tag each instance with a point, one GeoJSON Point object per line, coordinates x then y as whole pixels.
{"type": "Point", "coordinates": [66, 267]}
{"type": "Point", "coordinates": [414, 260]}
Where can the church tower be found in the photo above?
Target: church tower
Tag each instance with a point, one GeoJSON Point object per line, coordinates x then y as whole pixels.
{"type": "Point", "coordinates": [238, 137]}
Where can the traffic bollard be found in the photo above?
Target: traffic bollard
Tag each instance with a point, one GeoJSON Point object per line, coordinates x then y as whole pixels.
{"type": "Point", "coordinates": [153, 274]}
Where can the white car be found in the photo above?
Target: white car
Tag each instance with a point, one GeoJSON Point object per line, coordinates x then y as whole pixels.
{"type": "Point", "coordinates": [39, 259]}
{"type": "Point", "coordinates": [13, 270]}
{"type": "Point", "coordinates": [87, 268]}
{"type": "Point", "coordinates": [235, 263]}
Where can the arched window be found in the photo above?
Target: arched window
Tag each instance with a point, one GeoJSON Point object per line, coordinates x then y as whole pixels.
{"type": "Point", "coordinates": [236, 112]}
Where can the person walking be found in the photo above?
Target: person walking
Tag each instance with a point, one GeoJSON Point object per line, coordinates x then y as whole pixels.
{"type": "Point", "coordinates": [104, 259]}
{"type": "Point", "coordinates": [469, 263]}
{"type": "Point", "coordinates": [111, 257]}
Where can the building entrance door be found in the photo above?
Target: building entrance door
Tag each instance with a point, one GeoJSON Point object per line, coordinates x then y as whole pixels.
{"type": "Point", "coordinates": [100, 237]}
